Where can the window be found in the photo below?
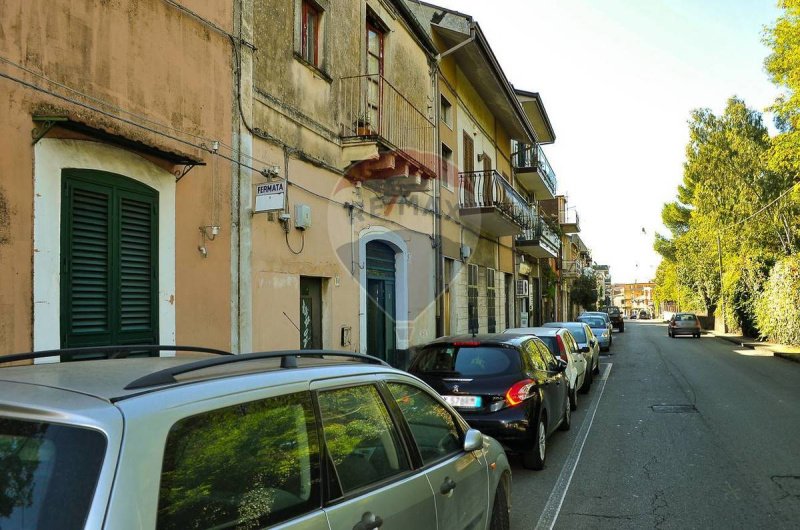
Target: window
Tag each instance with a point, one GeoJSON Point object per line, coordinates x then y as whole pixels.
{"type": "Point", "coordinates": [448, 359]}
{"type": "Point", "coordinates": [48, 474]}
{"type": "Point", "coordinates": [360, 437]}
{"type": "Point", "coordinates": [547, 357]}
{"type": "Point", "coordinates": [534, 354]}
{"type": "Point", "coordinates": [310, 19]}
{"type": "Point", "coordinates": [446, 111]}
{"type": "Point", "coordinates": [472, 298]}
{"type": "Point", "coordinates": [491, 301]}
{"type": "Point", "coordinates": [247, 466]}
{"type": "Point", "coordinates": [109, 270]}
{"type": "Point", "coordinates": [432, 426]}
{"type": "Point", "coordinates": [447, 166]}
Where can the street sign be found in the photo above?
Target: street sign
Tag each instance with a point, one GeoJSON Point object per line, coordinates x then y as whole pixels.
{"type": "Point", "coordinates": [269, 196]}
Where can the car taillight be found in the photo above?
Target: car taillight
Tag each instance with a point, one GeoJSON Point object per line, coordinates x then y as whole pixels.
{"type": "Point", "coordinates": [467, 344]}
{"type": "Point", "coordinates": [562, 352]}
{"type": "Point", "coordinates": [519, 392]}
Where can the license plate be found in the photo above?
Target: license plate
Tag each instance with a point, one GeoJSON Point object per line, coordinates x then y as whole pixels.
{"type": "Point", "coordinates": [472, 402]}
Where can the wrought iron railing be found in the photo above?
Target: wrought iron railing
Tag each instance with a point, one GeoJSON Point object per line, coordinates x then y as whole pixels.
{"type": "Point", "coordinates": [487, 189]}
{"type": "Point", "coordinates": [372, 107]}
{"type": "Point", "coordinates": [540, 231]}
{"type": "Point", "coordinates": [532, 156]}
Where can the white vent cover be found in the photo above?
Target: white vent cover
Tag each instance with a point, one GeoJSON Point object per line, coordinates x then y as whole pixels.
{"type": "Point", "coordinates": [522, 288]}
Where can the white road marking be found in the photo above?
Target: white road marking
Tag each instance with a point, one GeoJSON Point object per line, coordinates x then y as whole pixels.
{"type": "Point", "coordinates": [553, 507]}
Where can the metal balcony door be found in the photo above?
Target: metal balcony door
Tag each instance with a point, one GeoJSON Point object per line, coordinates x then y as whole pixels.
{"type": "Point", "coordinates": [310, 313]}
{"type": "Point", "coordinates": [381, 300]}
{"type": "Point", "coordinates": [374, 78]}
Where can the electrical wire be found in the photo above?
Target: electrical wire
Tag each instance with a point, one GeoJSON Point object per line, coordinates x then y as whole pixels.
{"type": "Point", "coordinates": [302, 243]}
{"type": "Point", "coordinates": [773, 201]}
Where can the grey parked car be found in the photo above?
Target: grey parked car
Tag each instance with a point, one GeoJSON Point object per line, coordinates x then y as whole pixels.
{"type": "Point", "coordinates": [302, 440]}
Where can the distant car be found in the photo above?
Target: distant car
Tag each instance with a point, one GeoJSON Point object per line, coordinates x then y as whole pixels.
{"type": "Point", "coordinates": [507, 385]}
{"type": "Point", "coordinates": [632, 315]}
{"type": "Point", "coordinates": [615, 315]}
{"type": "Point", "coordinates": [296, 439]}
{"type": "Point", "coordinates": [644, 315]}
{"type": "Point", "coordinates": [562, 345]}
{"type": "Point", "coordinates": [684, 324]}
{"type": "Point", "coordinates": [599, 328]}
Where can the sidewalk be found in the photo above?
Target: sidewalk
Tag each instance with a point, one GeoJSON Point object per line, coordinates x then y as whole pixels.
{"type": "Point", "coordinates": [791, 353]}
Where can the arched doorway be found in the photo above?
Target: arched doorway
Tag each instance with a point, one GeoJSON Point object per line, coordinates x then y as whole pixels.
{"type": "Point", "coordinates": [381, 301]}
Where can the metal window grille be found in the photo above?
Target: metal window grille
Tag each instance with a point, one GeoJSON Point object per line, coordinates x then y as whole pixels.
{"type": "Point", "coordinates": [491, 301]}
{"type": "Point", "coordinates": [472, 298]}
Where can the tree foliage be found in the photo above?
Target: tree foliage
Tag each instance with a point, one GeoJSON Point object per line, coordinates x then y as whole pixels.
{"type": "Point", "coordinates": [584, 292]}
{"type": "Point", "coordinates": [778, 308]}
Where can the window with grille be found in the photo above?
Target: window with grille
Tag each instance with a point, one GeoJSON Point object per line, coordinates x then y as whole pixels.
{"type": "Point", "coordinates": [472, 298]}
{"type": "Point", "coordinates": [491, 301]}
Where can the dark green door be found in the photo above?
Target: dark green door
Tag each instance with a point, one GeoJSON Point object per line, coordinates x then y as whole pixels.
{"type": "Point", "coordinates": [310, 313]}
{"type": "Point", "coordinates": [109, 260]}
{"type": "Point", "coordinates": [381, 329]}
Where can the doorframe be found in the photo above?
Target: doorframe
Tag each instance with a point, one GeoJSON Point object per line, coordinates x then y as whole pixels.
{"type": "Point", "coordinates": [50, 157]}
{"type": "Point", "coordinates": [384, 235]}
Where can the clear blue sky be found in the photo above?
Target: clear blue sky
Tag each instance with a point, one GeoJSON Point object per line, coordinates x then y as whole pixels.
{"type": "Point", "coordinates": [619, 79]}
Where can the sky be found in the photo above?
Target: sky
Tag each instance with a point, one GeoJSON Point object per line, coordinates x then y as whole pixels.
{"type": "Point", "coordinates": [619, 79]}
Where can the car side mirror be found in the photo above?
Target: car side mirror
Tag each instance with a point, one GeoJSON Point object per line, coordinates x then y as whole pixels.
{"type": "Point", "coordinates": [586, 349]}
{"type": "Point", "coordinates": [473, 440]}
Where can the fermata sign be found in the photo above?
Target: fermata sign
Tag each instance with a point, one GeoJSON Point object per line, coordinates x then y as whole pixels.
{"type": "Point", "coordinates": [269, 196]}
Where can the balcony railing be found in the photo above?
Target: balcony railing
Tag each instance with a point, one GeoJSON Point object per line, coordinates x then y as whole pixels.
{"type": "Point", "coordinates": [570, 221]}
{"type": "Point", "coordinates": [373, 108]}
{"type": "Point", "coordinates": [533, 157]}
{"type": "Point", "coordinates": [539, 240]}
{"type": "Point", "coordinates": [489, 190]}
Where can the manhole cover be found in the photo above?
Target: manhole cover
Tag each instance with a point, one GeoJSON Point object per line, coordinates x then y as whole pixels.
{"type": "Point", "coordinates": [673, 409]}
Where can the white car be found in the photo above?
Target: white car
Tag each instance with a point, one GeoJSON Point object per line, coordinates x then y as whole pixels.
{"type": "Point", "coordinates": [564, 346]}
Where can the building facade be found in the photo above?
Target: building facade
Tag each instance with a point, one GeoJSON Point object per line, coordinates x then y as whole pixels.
{"type": "Point", "coordinates": [112, 177]}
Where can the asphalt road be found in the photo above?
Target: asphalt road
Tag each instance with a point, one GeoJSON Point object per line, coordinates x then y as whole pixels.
{"type": "Point", "coordinates": [724, 453]}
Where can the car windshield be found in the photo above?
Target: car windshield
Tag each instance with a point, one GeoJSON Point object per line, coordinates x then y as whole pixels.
{"type": "Point", "coordinates": [447, 359]}
{"type": "Point", "coordinates": [48, 474]}
{"type": "Point", "coordinates": [686, 318]}
{"type": "Point", "coordinates": [594, 322]}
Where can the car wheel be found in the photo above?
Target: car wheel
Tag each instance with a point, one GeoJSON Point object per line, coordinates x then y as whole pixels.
{"type": "Point", "coordinates": [501, 519]}
{"type": "Point", "coordinates": [534, 457]}
{"type": "Point", "coordinates": [566, 421]}
{"type": "Point", "coordinates": [587, 382]}
{"type": "Point", "coordinates": [573, 398]}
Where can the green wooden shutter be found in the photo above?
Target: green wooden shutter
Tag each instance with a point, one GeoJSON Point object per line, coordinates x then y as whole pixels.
{"type": "Point", "coordinates": [109, 274]}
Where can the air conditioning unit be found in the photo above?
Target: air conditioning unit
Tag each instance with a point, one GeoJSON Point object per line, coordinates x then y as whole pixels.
{"type": "Point", "coordinates": [522, 288]}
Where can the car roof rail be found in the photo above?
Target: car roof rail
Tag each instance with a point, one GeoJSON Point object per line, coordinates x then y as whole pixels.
{"type": "Point", "coordinates": [288, 360]}
{"type": "Point", "coordinates": [113, 352]}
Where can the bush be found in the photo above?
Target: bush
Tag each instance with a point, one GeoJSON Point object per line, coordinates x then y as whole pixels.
{"type": "Point", "coordinates": [778, 307]}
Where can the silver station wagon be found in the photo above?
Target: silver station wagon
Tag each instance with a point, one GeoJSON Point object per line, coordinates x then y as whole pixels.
{"type": "Point", "coordinates": [305, 440]}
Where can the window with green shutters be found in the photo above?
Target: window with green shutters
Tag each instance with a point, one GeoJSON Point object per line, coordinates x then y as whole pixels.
{"type": "Point", "coordinates": [109, 260]}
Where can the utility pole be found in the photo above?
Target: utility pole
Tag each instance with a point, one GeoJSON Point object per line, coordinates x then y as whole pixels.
{"type": "Point", "coordinates": [721, 290]}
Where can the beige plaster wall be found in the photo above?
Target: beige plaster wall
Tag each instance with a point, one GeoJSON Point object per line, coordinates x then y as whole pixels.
{"type": "Point", "coordinates": [145, 62]}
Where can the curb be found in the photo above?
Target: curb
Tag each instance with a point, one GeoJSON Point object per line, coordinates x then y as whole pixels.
{"type": "Point", "coordinates": [794, 357]}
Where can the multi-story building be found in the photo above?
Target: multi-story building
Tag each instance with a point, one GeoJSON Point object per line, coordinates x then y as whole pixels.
{"type": "Point", "coordinates": [634, 297]}
{"type": "Point", "coordinates": [264, 174]}
{"type": "Point", "coordinates": [115, 151]}
{"type": "Point", "coordinates": [339, 97]}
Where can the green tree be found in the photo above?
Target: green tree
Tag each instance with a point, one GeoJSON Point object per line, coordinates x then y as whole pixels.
{"type": "Point", "coordinates": [584, 292]}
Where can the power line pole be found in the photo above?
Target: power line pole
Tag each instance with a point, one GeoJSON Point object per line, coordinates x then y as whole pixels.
{"type": "Point", "coordinates": [721, 289]}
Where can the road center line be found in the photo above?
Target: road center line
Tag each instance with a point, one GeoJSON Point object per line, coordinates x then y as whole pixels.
{"type": "Point", "coordinates": [553, 507]}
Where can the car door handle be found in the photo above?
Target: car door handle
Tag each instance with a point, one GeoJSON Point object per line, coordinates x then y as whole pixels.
{"type": "Point", "coordinates": [447, 486]}
{"type": "Point", "coordinates": [369, 521]}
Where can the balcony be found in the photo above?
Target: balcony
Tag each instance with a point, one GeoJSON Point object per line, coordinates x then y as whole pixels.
{"type": "Point", "coordinates": [539, 241]}
{"type": "Point", "coordinates": [570, 269]}
{"type": "Point", "coordinates": [569, 220]}
{"type": "Point", "coordinates": [489, 203]}
{"type": "Point", "coordinates": [387, 141]}
{"type": "Point", "coordinates": [534, 171]}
